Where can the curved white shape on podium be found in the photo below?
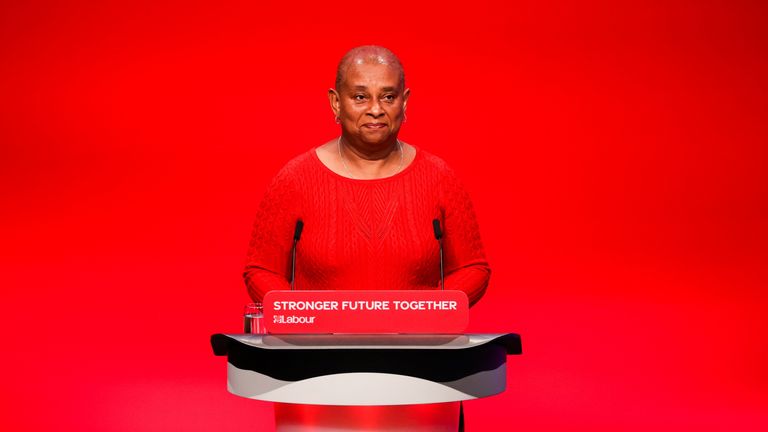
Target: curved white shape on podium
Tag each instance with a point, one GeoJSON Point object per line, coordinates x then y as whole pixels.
{"type": "Point", "coordinates": [360, 388]}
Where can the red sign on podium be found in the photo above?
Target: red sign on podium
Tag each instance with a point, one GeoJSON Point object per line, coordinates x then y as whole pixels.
{"type": "Point", "coordinates": [408, 312]}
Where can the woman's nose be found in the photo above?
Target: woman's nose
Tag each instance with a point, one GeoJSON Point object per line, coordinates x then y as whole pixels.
{"type": "Point", "coordinates": [375, 108]}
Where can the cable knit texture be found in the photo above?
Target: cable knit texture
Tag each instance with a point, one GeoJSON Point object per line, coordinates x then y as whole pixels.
{"type": "Point", "coordinates": [366, 234]}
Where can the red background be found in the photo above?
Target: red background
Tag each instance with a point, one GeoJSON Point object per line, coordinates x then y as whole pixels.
{"type": "Point", "coordinates": [615, 151]}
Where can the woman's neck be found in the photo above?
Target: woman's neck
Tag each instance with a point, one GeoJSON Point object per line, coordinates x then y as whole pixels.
{"type": "Point", "coordinates": [364, 162]}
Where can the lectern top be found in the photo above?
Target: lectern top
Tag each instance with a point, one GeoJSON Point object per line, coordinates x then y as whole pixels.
{"type": "Point", "coordinates": [510, 341]}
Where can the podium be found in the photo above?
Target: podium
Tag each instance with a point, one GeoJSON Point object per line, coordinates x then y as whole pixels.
{"type": "Point", "coordinates": [366, 370]}
{"type": "Point", "coordinates": [390, 360]}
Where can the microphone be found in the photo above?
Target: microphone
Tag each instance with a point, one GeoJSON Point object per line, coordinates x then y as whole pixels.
{"type": "Point", "coordinates": [297, 231]}
{"type": "Point", "coordinates": [296, 237]}
{"type": "Point", "coordinates": [436, 227]}
{"type": "Point", "coordinates": [439, 238]}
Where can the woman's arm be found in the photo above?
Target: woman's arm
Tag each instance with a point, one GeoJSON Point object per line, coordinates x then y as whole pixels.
{"type": "Point", "coordinates": [466, 268]}
{"type": "Point", "coordinates": [267, 265]}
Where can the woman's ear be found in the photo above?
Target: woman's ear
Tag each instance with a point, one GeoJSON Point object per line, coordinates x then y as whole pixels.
{"type": "Point", "coordinates": [333, 99]}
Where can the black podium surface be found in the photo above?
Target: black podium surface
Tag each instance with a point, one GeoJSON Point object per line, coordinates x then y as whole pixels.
{"type": "Point", "coordinates": [380, 369]}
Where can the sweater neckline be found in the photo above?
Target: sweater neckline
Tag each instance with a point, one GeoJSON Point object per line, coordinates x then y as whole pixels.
{"type": "Point", "coordinates": [395, 176]}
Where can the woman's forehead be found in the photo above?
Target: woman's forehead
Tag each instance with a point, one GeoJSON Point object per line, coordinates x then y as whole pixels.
{"type": "Point", "coordinates": [371, 75]}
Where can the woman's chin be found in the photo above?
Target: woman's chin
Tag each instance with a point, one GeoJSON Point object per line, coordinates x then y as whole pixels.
{"type": "Point", "coordinates": [379, 137]}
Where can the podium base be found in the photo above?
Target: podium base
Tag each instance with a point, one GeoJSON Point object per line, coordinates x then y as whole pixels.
{"type": "Point", "coordinates": [390, 418]}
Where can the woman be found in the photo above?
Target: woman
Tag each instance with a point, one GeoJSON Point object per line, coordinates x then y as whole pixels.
{"type": "Point", "coordinates": [367, 201]}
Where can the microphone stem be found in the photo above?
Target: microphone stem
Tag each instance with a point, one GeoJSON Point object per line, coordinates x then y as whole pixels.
{"type": "Point", "coordinates": [442, 271]}
{"type": "Point", "coordinates": [293, 264]}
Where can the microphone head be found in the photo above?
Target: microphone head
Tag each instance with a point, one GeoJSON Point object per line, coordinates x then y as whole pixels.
{"type": "Point", "coordinates": [297, 231]}
{"type": "Point", "coordinates": [436, 227]}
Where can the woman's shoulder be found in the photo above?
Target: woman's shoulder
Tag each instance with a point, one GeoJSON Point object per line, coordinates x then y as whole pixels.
{"type": "Point", "coordinates": [434, 164]}
{"type": "Point", "coordinates": [290, 176]}
{"type": "Point", "coordinates": [298, 166]}
{"type": "Point", "coordinates": [303, 161]}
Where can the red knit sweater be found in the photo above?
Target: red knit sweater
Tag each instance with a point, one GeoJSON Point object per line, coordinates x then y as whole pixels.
{"type": "Point", "coordinates": [366, 234]}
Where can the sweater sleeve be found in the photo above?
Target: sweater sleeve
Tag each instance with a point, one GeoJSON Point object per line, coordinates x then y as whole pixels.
{"type": "Point", "coordinates": [267, 265]}
{"type": "Point", "coordinates": [466, 267]}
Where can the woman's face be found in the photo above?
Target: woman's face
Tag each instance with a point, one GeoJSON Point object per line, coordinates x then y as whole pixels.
{"type": "Point", "coordinates": [370, 103]}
